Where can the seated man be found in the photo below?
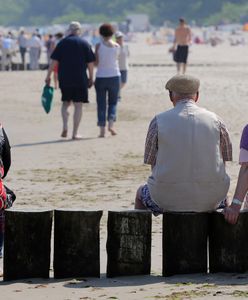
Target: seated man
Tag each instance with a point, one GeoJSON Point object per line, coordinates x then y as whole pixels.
{"type": "Point", "coordinates": [231, 213]}
{"type": "Point", "coordinates": [187, 147]}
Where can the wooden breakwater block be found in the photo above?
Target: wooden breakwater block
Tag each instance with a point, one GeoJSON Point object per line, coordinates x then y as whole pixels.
{"type": "Point", "coordinates": [27, 243]}
{"type": "Point", "coordinates": [129, 243]}
{"type": "Point", "coordinates": [184, 243]}
{"type": "Point", "coordinates": [76, 243]}
{"type": "Point", "coordinates": [228, 244]}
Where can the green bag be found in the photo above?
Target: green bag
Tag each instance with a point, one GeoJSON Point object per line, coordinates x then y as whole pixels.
{"type": "Point", "coordinates": [47, 98]}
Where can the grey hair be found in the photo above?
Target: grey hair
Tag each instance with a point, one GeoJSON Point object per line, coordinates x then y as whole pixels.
{"type": "Point", "coordinates": [181, 96]}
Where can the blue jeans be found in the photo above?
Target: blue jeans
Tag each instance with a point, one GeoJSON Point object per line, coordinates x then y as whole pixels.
{"type": "Point", "coordinates": [106, 89]}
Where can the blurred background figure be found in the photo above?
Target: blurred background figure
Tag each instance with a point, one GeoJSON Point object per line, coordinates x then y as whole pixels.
{"type": "Point", "coordinates": [22, 42]}
{"type": "Point", "coordinates": [50, 45]}
{"type": "Point", "coordinates": [58, 37]}
{"type": "Point", "coordinates": [123, 57]}
{"type": "Point", "coordinates": [35, 46]}
{"type": "Point", "coordinates": [7, 51]}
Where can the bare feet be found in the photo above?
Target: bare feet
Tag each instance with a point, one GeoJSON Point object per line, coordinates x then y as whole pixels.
{"type": "Point", "coordinates": [64, 134]}
{"type": "Point", "coordinates": [77, 137]}
{"type": "Point", "coordinates": [102, 132]}
{"type": "Point", "coordinates": [112, 131]}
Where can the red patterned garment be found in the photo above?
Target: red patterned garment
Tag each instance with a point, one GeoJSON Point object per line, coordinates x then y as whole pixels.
{"type": "Point", "coordinates": [3, 195]}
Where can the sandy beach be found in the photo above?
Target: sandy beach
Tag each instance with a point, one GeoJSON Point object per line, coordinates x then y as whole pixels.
{"type": "Point", "coordinates": [94, 173]}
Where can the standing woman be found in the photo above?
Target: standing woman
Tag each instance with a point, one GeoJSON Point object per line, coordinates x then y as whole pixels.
{"type": "Point", "coordinates": [107, 83]}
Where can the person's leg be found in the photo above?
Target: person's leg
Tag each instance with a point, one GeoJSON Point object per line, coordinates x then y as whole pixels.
{"type": "Point", "coordinates": [31, 58]}
{"type": "Point", "coordinates": [138, 203]}
{"type": "Point", "coordinates": [123, 78]}
{"type": "Point", "coordinates": [178, 68]}
{"type": "Point", "coordinates": [113, 92]}
{"type": "Point", "coordinates": [184, 68]}
{"type": "Point", "coordinates": [78, 108]}
{"type": "Point", "coordinates": [101, 94]}
{"type": "Point", "coordinates": [65, 116]}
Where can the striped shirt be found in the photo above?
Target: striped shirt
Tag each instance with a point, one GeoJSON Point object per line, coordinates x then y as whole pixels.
{"type": "Point", "coordinates": [151, 145]}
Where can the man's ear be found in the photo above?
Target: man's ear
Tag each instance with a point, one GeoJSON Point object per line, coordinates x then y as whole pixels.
{"type": "Point", "coordinates": [170, 95]}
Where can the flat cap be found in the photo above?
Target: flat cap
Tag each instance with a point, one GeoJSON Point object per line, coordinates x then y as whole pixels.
{"type": "Point", "coordinates": [183, 84]}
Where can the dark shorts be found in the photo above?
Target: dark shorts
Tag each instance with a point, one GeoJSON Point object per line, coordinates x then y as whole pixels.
{"type": "Point", "coordinates": [75, 94]}
{"type": "Point", "coordinates": [123, 76]}
{"type": "Point", "coordinates": [181, 54]}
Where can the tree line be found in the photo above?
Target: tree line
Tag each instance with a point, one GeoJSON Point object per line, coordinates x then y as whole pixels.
{"type": "Point", "coordinates": [202, 12]}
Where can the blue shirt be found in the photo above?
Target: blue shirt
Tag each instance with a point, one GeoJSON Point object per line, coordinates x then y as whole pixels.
{"type": "Point", "coordinates": [73, 55]}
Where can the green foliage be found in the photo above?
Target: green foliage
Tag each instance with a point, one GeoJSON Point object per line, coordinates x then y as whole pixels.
{"type": "Point", "coordinates": [37, 12]}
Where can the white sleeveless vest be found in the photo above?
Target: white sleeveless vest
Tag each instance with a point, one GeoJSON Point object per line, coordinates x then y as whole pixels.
{"type": "Point", "coordinates": [189, 174]}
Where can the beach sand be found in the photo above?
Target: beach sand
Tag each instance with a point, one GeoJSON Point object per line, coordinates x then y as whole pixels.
{"type": "Point", "coordinates": [95, 173]}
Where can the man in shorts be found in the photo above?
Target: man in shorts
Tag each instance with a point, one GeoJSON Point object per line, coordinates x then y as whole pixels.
{"type": "Point", "coordinates": [74, 57]}
{"type": "Point", "coordinates": [187, 147]}
{"type": "Point", "coordinates": [182, 41]}
{"type": "Point", "coordinates": [231, 213]}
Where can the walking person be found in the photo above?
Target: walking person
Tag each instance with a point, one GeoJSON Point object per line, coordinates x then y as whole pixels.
{"type": "Point", "coordinates": [7, 52]}
{"type": "Point", "coordinates": [123, 57]}
{"type": "Point", "coordinates": [181, 44]}
{"type": "Point", "coordinates": [107, 83]}
{"type": "Point", "coordinates": [50, 45]}
{"type": "Point", "coordinates": [22, 42]}
{"type": "Point", "coordinates": [35, 46]}
{"type": "Point", "coordinates": [74, 57]}
{"type": "Point", "coordinates": [58, 38]}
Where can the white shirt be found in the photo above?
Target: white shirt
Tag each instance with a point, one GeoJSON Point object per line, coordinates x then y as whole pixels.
{"type": "Point", "coordinates": [108, 61]}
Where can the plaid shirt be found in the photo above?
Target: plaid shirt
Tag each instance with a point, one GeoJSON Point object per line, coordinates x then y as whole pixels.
{"type": "Point", "coordinates": [151, 145]}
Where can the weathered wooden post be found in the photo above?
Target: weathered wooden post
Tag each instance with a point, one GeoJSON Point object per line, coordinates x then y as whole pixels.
{"type": "Point", "coordinates": [129, 243]}
{"type": "Point", "coordinates": [228, 244]}
{"type": "Point", "coordinates": [184, 243]}
{"type": "Point", "coordinates": [27, 243]}
{"type": "Point", "coordinates": [76, 243]}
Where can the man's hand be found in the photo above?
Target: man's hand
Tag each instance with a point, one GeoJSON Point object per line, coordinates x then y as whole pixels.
{"type": "Point", "coordinates": [90, 83]}
{"type": "Point", "coordinates": [231, 213]}
{"type": "Point", "coordinates": [48, 80]}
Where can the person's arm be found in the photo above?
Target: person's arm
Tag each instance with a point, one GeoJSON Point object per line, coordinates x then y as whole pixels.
{"type": "Point", "coordinates": [231, 213]}
{"type": "Point", "coordinates": [97, 55]}
{"type": "Point", "coordinates": [175, 40]}
{"type": "Point", "coordinates": [6, 155]}
{"type": "Point", "coordinates": [225, 143]}
{"type": "Point", "coordinates": [190, 36]}
{"type": "Point", "coordinates": [50, 70]}
{"type": "Point", "coordinates": [151, 144]}
{"type": "Point", "coordinates": [90, 66]}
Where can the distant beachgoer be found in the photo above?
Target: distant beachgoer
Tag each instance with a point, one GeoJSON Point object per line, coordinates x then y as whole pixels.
{"type": "Point", "coordinates": [231, 213]}
{"type": "Point", "coordinates": [107, 83]}
{"type": "Point", "coordinates": [187, 147]}
{"type": "Point", "coordinates": [181, 44]}
{"type": "Point", "coordinates": [22, 42]}
{"type": "Point", "coordinates": [7, 48]}
{"type": "Point", "coordinates": [123, 61]}
{"type": "Point", "coordinates": [50, 45]}
{"type": "Point", "coordinates": [58, 38]}
{"type": "Point", "coordinates": [35, 46]}
{"type": "Point", "coordinates": [74, 57]}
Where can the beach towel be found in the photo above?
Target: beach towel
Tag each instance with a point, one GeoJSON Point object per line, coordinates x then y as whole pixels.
{"type": "Point", "coordinates": [47, 98]}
